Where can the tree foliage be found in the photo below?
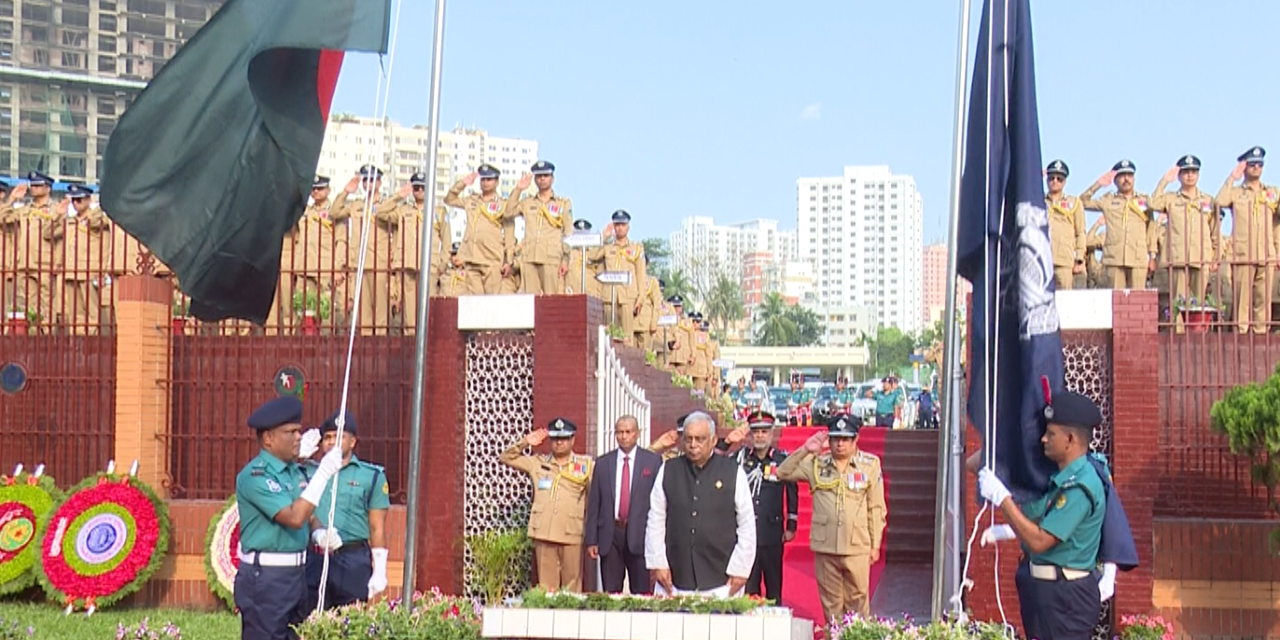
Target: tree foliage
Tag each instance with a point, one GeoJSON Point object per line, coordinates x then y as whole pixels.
{"type": "Point", "coordinates": [778, 324]}
{"type": "Point", "coordinates": [1250, 418]}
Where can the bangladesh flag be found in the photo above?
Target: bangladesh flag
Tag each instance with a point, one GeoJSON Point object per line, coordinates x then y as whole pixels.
{"type": "Point", "coordinates": [213, 163]}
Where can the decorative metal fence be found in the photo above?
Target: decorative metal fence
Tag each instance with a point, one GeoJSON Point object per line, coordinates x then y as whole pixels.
{"type": "Point", "coordinates": [617, 395]}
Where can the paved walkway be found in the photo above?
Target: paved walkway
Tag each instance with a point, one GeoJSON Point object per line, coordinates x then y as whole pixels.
{"type": "Point", "coordinates": [904, 588]}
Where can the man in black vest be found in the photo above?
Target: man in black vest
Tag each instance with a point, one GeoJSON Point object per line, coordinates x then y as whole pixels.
{"type": "Point", "coordinates": [701, 535]}
{"type": "Point", "coordinates": [760, 463]}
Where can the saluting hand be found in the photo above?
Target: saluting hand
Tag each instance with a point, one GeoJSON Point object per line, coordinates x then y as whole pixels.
{"type": "Point", "coordinates": [352, 185]}
{"type": "Point", "coordinates": [737, 435]}
{"type": "Point", "coordinates": [1171, 174]}
{"type": "Point", "coordinates": [471, 178]}
{"type": "Point", "coordinates": [405, 191]}
{"type": "Point", "coordinates": [1238, 172]}
{"type": "Point", "coordinates": [667, 440]}
{"type": "Point", "coordinates": [815, 443]}
{"type": "Point", "coordinates": [525, 181]}
{"type": "Point", "coordinates": [21, 190]}
{"type": "Point", "coordinates": [1106, 178]}
{"type": "Point", "coordinates": [536, 438]}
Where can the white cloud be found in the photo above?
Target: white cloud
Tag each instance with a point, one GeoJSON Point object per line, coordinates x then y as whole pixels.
{"type": "Point", "coordinates": [812, 112]}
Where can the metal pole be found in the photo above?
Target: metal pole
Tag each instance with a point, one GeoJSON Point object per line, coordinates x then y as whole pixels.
{"type": "Point", "coordinates": [583, 290]}
{"type": "Point", "coordinates": [945, 525]}
{"type": "Point", "coordinates": [424, 290]}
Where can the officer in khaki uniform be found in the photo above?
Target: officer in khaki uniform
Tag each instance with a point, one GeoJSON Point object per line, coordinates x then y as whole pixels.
{"type": "Point", "coordinates": [511, 274]}
{"type": "Point", "coordinates": [319, 247]}
{"type": "Point", "coordinates": [375, 294]}
{"type": "Point", "coordinates": [1254, 236]}
{"type": "Point", "coordinates": [453, 282]}
{"type": "Point", "coordinates": [1066, 226]}
{"type": "Point", "coordinates": [1125, 254]}
{"type": "Point", "coordinates": [701, 358]}
{"type": "Point", "coordinates": [680, 339]}
{"type": "Point", "coordinates": [662, 334]}
{"type": "Point", "coordinates": [548, 219]}
{"type": "Point", "coordinates": [487, 240]}
{"type": "Point", "coordinates": [1094, 275]}
{"type": "Point", "coordinates": [622, 254]}
{"type": "Point", "coordinates": [407, 251]}
{"type": "Point", "coordinates": [573, 279]}
{"type": "Point", "coordinates": [36, 230]}
{"type": "Point", "coordinates": [85, 258]}
{"type": "Point", "coordinates": [650, 308]}
{"type": "Point", "coordinates": [1191, 236]}
{"type": "Point", "coordinates": [848, 514]}
{"type": "Point", "coordinates": [560, 481]}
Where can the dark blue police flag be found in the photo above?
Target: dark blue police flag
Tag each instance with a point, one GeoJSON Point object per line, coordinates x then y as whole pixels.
{"type": "Point", "coordinates": [1004, 252]}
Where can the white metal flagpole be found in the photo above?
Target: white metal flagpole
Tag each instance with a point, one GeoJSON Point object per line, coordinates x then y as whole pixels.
{"type": "Point", "coordinates": [946, 532]}
{"type": "Point", "coordinates": [424, 292]}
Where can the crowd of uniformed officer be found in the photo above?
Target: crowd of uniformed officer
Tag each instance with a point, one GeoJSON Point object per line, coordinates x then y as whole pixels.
{"type": "Point", "coordinates": [1172, 240]}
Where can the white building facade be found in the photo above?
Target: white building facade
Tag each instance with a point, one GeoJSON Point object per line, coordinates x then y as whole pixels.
{"type": "Point", "coordinates": [702, 249]}
{"type": "Point", "coordinates": [864, 232]}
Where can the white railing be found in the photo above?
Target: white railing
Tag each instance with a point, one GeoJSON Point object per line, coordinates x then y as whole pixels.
{"type": "Point", "coordinates": [617, 395]}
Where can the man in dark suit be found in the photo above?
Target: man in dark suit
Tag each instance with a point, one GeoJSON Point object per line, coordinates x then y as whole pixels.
{"type": "Point", "coordinates": [618, 510]}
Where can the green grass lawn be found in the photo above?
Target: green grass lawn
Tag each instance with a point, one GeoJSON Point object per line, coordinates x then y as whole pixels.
{"type": "Point", "coordinates": [50, 624]}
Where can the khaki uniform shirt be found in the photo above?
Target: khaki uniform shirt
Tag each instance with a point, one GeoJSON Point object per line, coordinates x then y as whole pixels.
{"type": "Point", "coordinates": [487, 237]}
{"type": "Point", "coordinates": [87, 244]}
{"type": "Point", "coordinates": [1192, 234]}
{"type": "Point", "coordinates": [623, 255]}
{"type": "Point", "coordinates": [559, 493]}
{"type": "Point", "coordinates": [320, 236]}
{"type": "Point", "coordinates": [1127, 243]}
{"type": "Point", "coordinates": [1253, 221]}
{"type": "Point", "coordinates": [701, 357]}
{"type": "Point", "coordinates": [378, 253]}
{"type": "Point", "coordinates": [848, 506]}
{"type": "Point", "coordinates": [682, 336]}
{"type": "Point", "coordinates": [1066, 229]}
{"type": "Point", "coordinates": [546, 224]}
{"type": "Point", "coordinates": [36, 232]}
{"type": "Point", "coordinates": [573, 279]}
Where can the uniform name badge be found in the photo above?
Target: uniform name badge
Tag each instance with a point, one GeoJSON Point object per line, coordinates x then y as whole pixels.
{"type": "Point", "coordinates": [544, 484]}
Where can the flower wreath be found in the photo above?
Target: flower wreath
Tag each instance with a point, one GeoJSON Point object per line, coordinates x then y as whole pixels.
{"type": "Point", "coordinates": [24, 499]}
{"type": "Point", "coordinates": [221, 557]}
{"type": "Point", "coordinates": [102, 542]}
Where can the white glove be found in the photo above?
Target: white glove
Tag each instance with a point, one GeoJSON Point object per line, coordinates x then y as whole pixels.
{"type": "Point", "coordinates": [329, 465]}
{"type": "Point", "coordinates": [310, 443]}
{"type": "Point", "coordinates": [991, 488]}
{"type": "Point", "coordinates": [378, 582]}
{"type": "Point", "coordinates": [997, 533]}
{"type": "Point", "coordinates": [326, 538]}
{"type": "Point", "coordinates": [1107, 585]}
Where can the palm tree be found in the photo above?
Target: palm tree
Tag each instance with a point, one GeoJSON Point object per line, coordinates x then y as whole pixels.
{"type": "Point", "coordinates": [724, 304]}
{"type": "Point", "coordinates": [677, 284]}
{"type": "Point", "coordinates": [773, 325]}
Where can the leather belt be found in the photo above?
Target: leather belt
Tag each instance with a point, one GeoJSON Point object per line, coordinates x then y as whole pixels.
{"type": "Point", "coordinates": [1051, 572]}
{"type": "Point", "coordinates": [269, 559]}
{"type": "Point", "coordinates": [350, 546]}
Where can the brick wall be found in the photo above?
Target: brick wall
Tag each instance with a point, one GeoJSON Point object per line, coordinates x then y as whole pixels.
{"type": "Point", "coordinates": [1136, 467]}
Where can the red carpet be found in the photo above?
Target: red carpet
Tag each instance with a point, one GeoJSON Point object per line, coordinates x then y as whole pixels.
{"type": "Point", "coordinates": [800, 591]}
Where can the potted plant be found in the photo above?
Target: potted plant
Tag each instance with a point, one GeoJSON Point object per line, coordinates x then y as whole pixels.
{"type": "Point", "coordinates": [1143, 627]}
{"type": "Point", "coordinates": [1198, 317]}
{"type": "Point", "coordinates": [498, 557]}
{"type": "Point", "coordinates": [615, 333]}
{"type": "Point", "coordinates": [20, 320]}
{"type": "Point", "coordinates": [312, 305]}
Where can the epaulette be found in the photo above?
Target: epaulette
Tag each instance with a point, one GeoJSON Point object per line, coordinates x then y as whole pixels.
{"type": "Point", "coordinates": [308, 464]}
{"type": "Point", "coordinates": [258, 471]}
{"type": "Point", "coordinates": [824, 459]}
{"type": "Point", "coordinates": [370, 465]}
{"type": "Point", "coordinates": [863, 455]}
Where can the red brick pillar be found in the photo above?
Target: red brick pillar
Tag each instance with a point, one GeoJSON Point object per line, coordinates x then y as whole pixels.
{"type": "Point", "coordinates": [441, 477]}
{"type": "Point", "coordinates": [565, 340]}
{"type": "Point", "coordinates": [1135, 348]}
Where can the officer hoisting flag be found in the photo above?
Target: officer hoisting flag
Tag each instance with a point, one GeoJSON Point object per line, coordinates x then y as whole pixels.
{"type": "Point", "coordinates": [1003, 250]}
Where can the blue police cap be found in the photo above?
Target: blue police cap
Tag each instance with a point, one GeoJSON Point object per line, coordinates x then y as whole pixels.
{"type": "Point", "coordinates": [842, 425]}
{"type": "Point", "coordinates": [582, 224]}
{"type": "Point", "coordinates": [1058, 167]}
{"type": "Point", "coordinates": [561, 428]}
{"type": "Point", "coordinates": [680, 422]}
{"type": "Point", "coordinates": [1188, 162]}
{"type": "Point", "coordinates": [1124, 166]}
{"type": "Point", "coordinates": [418, 179]}
{"type": "Point", "coordinates": [77, 191]}
{"type": "Point", "coordinates": [1073, 409]}
{"type": "Point", "coordinates": [454, 248]}
{"type": "Point", "coordinates": [488, 171]}
{"type": "Point", "coordinates": [35, 178]}
{"type": "Point", "coordinates": [676, 300]}
{"type": "Point", "coordinates": [369, 171]}
{"type": "Point", "coordinates": [621, 217]}
{"type": "Point", "coordinates": [1253, 156]}
{"type": "Point", "coordinates": [331, 423]}
{"type": "Point", "coordinates": [542, 167]}
{"type": "Point", "coordinates": [705, 325]}
{"type": "Point", "coordinates": [662, 284]}
{"type": "Point", "coordinates": [275, 412]}
{"type": "Point", "coordinates": [321, 182]}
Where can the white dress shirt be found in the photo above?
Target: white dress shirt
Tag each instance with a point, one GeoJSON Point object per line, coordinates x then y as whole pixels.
{"type": "Point", "coordinates": [744, 550]}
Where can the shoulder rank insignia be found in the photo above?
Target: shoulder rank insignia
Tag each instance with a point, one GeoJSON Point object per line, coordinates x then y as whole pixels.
{"type": "Point", "coordinates": [386, 490]}
{"type": "Point", "coordinates": [1062, 501]}
{"type": "Point", "coordinates": [257, 472]}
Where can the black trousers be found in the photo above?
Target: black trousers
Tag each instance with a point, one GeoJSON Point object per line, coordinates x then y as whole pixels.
{"type": "Point", "coordinates": [884, 420]}
{"type": "Point", "coordinates": [349, 571]}
{"type": "Point", "coordinates": [619, 563]}
{"type": "Point", "coordinates": [1058, 609]}
{"type": "Point", "coordinates": [767, 569]}
{"type": "Point", "coordinates": [270, 600]}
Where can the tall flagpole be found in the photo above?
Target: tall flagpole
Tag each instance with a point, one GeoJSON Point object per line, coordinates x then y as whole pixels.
{"type": "Point", "coordinates": [946, 530]}
{"type": "Point", "coordinates": [424, 292]}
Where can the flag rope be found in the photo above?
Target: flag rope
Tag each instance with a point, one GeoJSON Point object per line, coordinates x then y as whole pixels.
{"type": "Point", "coordinates": [381, 99]}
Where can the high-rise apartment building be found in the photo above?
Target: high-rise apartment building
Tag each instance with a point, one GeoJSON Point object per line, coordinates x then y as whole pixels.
{"type": "Point", "coordinates": [935, 284]}
{"type": "Point", "coordinates": [69, 69]}
{"type": "Point", "coordinates": [400, 151]}
{"type": "Point", "coordinates": [703, 250]}
{"type": "Point", "coordinates": [864, 231]}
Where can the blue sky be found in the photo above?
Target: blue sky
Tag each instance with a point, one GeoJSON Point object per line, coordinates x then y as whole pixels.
{"type": "Point", "coordinates": [672, 109]}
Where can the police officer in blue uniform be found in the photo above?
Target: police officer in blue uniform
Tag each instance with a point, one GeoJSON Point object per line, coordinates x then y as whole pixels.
{"type": "Point", "coordinates": [276, 500]}
{"type": "Point", "coordinates": [357, 542]}
{"type": "Point", "coordinates": [775, 522]}
{"type": "Point", "coordinates": [1061, 531]}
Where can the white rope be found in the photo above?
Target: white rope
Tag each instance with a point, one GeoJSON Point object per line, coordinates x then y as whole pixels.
{"type": "Point", "coordinates": [381, 99]}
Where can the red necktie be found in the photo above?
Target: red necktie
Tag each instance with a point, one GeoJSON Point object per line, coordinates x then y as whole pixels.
{"type": "Point", "coordinates": [624, 498]}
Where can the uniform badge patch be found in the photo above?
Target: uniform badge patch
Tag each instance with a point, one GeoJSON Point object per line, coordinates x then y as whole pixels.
{"type": "Point", "coordinates": [385, 489]}
{"type": "Point", "coordinates": [1062, 502]}
{"type": "Point", "coordinates": [273, 486]}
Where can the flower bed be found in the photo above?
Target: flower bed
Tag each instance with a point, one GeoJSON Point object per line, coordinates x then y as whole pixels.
{"type": "Point", "coordinates": [855, 627]}
{"type": "Point", "coordinates": [427, 616]}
